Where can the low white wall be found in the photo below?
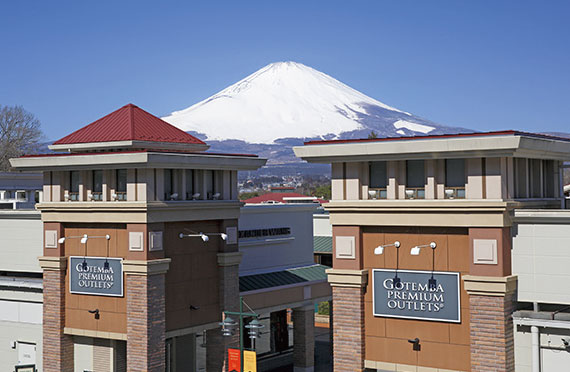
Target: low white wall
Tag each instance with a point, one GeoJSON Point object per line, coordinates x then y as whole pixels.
{"type": "Point", "coordinates": [541, 255]}
{"type": "Point", "coordinates": [553, 356]}
{"type": "Point", "coordinates": [22, 241]}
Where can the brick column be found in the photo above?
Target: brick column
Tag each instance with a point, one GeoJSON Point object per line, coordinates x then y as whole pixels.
{"type": "Point", "coordinates": [57, 347]}
{"type": "Point", "coordinates": [228, 282]}
{"type": "Point", "coordinates": [491, 304]}
{"type": "Point", "coordinates": [304, 339]}
{"type": "Point", "coordinates": [146, 314]}
{"type": "Point", "coordinates": [348, 321]}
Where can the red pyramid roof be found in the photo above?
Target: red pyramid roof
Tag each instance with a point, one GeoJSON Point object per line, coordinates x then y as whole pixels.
{"type": "Point", "coordinates": [129, 123]}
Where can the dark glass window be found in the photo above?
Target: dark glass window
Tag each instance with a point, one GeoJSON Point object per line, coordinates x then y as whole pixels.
{"type": "Point", "coordinates": [415, 173]}
{"type": "Point", "coordinates": [189, 183]}
{"type": "Point", "coordinates": [74, 181]}
{"type": "Point", "coordinates": [167, 183]}
{"type": "Point", "coordinates": [455, 172]}
{"type": "Point", "coordinates": [378, 176]}
{"type": "Point", "coordinates": [97, 181]}
{"type": "Point", "coordinates": [121, 180]}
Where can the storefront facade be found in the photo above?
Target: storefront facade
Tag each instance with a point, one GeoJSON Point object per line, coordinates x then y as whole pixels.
{"type": "Point", "coordinates": [422, 277]}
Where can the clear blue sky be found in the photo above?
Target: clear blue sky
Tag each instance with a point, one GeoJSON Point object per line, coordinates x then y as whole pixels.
{"type": "Point", "coordinates": [485, 65]}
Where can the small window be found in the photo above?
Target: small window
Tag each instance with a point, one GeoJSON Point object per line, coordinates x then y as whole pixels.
{"type": "Point", "coordinates": [168, 174]}
{"type": "Point", "coordinates": [535, 174]}
{"type": "Point", "coordinates": [97, 187]}
{"type": "Point", "coordinates": [189, 184]}
{"type": "Point", "coordinates": [74, 185]}
{"type": "Point", "coordinates": [455, 178]}
{"type": "Point", "coordinates": [209, 180]}
{"type": "Point", "coordinates": [415, 179]}
{"type": "Point", "coordinates": [520, 166]}
{"type": "Point", "coordinates": [378, 180]}
{"type": "Point", "coordinates": [121, 189]}
{"type": "Point", "coordinates": [548, 178]}
{"type": "Point", "coordinates": [21, 196]}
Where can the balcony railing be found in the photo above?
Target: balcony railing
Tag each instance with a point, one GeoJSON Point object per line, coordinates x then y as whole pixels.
{"type": "Point", "coordinates": [377, 193]}
{"type": "Point", "coordinates": [73, 196]}
{"type": "Point", "coordinates": [120, 196]}
{"type": "Point", "coordinates": [96, 196]}
{"type": "Point", "coordinates": [454, 192]}
{"type": "Point", "coordinates": [415, 193]}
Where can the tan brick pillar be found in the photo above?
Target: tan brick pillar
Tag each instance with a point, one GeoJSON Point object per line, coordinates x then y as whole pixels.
{"type": "Point", "coordinates": [146, 314]}
{"type": "Point", "coordinates": [228, 282]}
{"type": "Point", "coordinates": [491, 302]}
{"type": "Point", "coordinates": [304, 339]}
{"type": "Point", "coordinates": [57, 346]}
{"type": "Point", "coordinates": [348, 321]}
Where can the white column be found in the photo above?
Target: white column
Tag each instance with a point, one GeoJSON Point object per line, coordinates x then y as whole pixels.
{"type": "Point", "coordinates": [535, 348]}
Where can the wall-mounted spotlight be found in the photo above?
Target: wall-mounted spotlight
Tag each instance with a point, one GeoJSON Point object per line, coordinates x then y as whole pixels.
{"type": "Point", "coordinates": [204, 237]}
{"type": "Point", "coordinates": [380, 248]}
{"type": "Point", "coordinates": [432, 282]}
{"type": "Point", "coordinates": [84, 238]}
{"type": "Point", "coordinates": [415, 251]}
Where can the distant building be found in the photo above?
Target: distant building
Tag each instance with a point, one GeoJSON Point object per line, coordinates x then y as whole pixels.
{"type": "Point", "coordinates": [20, 190]}
{"type": "Point", "coordinates": [284, 197]}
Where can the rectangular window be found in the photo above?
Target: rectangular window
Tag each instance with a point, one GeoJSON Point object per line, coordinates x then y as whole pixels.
{"type": "Point", "coordinates": [535, 171]}
{"type": "Point", "coordinates": [548, 178]}
{"type": "Point", "coordinates": [97, 187]}
{"type": "Point", "coordinates": [209, 180]}
{"type": "Point", "coordinates": [168, 174]}
{"type": "Point", "coordinates": [378, 180]}
{"type": "Point", "coordinates": [415, 179]}
{"type": "Point", "coordinates": [121, 189]}
{"type": "Point", "coordinates": [189, 184]}
{"type": "Point", "coordinates": [74, 185]}
{"type": "Point", "coordinates": [455, 178]}
{"type": "Point", "coordinates": [415, 173]}
{"type": "Point", "coordinates": [520, 166]}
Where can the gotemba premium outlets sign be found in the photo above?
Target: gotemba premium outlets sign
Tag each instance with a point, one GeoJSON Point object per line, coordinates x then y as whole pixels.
{"type": "Point", "coordinates": [96, 278]}
{"type": "Point", "coordinates": [416, 295]}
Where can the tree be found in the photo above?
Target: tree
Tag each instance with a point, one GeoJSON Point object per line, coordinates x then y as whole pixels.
{"type": "Point", "coordinates": [20, 134]}
{"type": "Point", "coordinates": [372, 135]}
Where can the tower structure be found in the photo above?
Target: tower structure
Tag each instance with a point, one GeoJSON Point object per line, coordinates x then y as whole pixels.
{"type": "Point", "coordinates": [140, 243]}
{"type": "Point", "coordinates": [422, 278]}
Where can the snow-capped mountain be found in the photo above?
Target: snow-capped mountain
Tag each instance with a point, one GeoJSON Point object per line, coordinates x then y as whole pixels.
{"type": "Point", "coordinates": [286, 103]}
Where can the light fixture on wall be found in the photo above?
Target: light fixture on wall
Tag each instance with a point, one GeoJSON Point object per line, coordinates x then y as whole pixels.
{"type": "Point", "coordinates": [415, 251]}
{"type": "Point", "coordinates": [380, 250]}
{"type": "Point", "coordinates": [84, 239]}
{"type": "Point", "coordinates": [195, 196]}
{"type": "Point", "coordinates": [204, 237]}
{"type": "Point", "coordinates": [174, 196]}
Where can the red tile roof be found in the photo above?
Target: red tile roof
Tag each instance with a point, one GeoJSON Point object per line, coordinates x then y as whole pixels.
{"type": "Point", "coordinates": [435, 136]}
{"type": "Point", "coordinates": [277, 197]}
{"type": "Point", "coordinates": [129, 123]}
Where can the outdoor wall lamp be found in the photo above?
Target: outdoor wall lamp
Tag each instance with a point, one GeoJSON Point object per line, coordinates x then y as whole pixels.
{"type": "Point", "coordinates": [380, 248]}
{"type": "Point", "coordinates": [204, 237]}
{"type": "Point", "coordinates": [432, 282]}
{"type": "Point", "coordinates": [415, 344]}
{"type": "Point", "coordinates": [95, 312]}
{"type": "Point", "coordinates": [415, 251]}
{"type": "Point", "coordinates": [84, 238]}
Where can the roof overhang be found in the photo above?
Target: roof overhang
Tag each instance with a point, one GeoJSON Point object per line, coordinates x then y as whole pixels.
{"type": "Point", "coordinates": [125, 145]}
{"type": "Point", "coordinates": [437, 148]}
{"type": "Point", "coordinates": [137, 160]}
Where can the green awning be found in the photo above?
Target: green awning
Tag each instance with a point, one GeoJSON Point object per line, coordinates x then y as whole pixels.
{"type": "Point", "coordinates": [322, 244]}
{"type": "Point", "coordinates": [285, 277]}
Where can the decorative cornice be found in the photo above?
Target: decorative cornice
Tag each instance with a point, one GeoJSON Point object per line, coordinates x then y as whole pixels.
{"type": "Point", "coordinates": [151, 267]}
{"type": "Point", "coordinates": [489, 285]}
{"type": "Point", "coordinates": [347, 278]}
{"type": "Point", "coordinates": [229, 259]}
{"type": "Point", "coordinates": [53, 263]}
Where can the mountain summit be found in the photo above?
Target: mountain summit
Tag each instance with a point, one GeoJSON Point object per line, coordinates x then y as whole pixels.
{"type": "Point", "coordinates": [288, 100]}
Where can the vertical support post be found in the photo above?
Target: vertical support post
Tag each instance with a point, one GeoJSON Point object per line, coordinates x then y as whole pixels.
{"type": "Point", "coordinates": [535, 348]}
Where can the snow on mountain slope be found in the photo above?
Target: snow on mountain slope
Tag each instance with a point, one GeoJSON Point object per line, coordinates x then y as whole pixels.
{"type": "Point", "coordinates": [281, 100]}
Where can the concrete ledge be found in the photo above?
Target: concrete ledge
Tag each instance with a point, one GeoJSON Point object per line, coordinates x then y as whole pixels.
{"type": "Point", "coordinates": [152, 267]}
{"type": "Point", "coordinates": [397, 367]}
{"type": "Point", "coordinates": [489, 285]}
{"type": "Point", "coordinates": [347, 278]}
{"type": "Point", "coordinates": [53, 263]}
{"type": "Point", "coordinates": [96, 334]}
{"type": "Point", "coordinates": [229, 259]}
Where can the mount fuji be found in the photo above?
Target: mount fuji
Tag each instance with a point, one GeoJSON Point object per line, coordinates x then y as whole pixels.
{"type": "Point", "coordinates": [286, 103]}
